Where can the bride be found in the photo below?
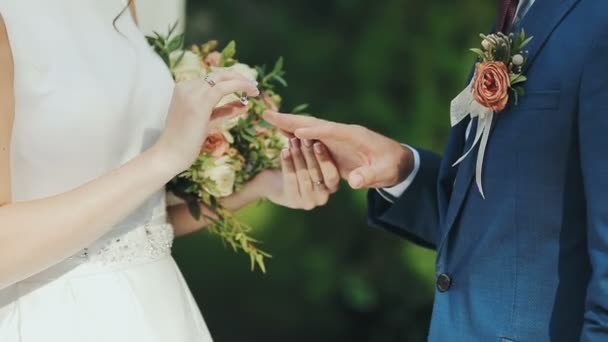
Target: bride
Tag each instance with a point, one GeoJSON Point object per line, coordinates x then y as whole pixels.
{"type": "Point", "coordinates": [91, 128]}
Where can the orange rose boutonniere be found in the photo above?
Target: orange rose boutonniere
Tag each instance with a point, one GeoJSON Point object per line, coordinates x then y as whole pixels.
{"type": "Point", "coordinates": [498, 76]}
{"type": "Point", "coordinates": [499, 71]}
{"type": "Point", "coordinates": [491, 85]}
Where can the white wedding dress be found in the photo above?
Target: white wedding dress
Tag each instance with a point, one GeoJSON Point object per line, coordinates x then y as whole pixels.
{"type": "Point", "coordinates": [89, 98]}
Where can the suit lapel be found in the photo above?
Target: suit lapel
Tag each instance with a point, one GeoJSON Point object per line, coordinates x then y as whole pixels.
{"type": "Point", "coordinates": [462, 181]}
{"type": "Point", "coordinates": [447, 173]}
{"type": "Point", "coordinates": [540, 21]}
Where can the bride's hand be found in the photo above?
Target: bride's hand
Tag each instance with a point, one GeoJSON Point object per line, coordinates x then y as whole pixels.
{"type": "Point", "coordinates": [307, 179]}
{"type": "Point", "coordinates": [191, 110]}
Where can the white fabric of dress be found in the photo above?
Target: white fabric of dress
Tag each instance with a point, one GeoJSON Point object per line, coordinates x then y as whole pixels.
{"type": "Point", "coordinates": [89, 98]}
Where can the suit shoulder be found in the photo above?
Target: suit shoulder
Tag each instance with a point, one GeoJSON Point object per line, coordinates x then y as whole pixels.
{"type": "Point", "coordinates": [592, 14]}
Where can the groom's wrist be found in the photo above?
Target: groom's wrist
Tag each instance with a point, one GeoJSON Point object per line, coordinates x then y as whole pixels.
{"type": "Point", "coordinates": [392, 193]}
{"type": "Point", "coordinates": [406, 164]}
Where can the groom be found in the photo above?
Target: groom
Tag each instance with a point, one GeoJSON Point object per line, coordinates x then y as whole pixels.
{"type": "Point", "coordinates": [530, 261]}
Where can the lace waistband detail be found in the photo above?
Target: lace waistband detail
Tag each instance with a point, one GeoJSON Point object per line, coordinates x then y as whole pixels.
{"type": "Point", "coordinates": [144, 243]}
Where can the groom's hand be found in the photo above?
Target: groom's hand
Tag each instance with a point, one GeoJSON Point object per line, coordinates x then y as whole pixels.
{"type": "Point", "coordinates": [364, 158]}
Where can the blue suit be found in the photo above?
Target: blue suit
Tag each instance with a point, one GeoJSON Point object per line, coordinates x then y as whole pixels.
{"type": "Point", "coordinates": [530, 262]}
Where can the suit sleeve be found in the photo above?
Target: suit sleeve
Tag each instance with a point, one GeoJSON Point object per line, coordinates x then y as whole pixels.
{"type": "Point", "coordinates": [414, 215]}
{"type": "Point", "coordinates": [593, 129]}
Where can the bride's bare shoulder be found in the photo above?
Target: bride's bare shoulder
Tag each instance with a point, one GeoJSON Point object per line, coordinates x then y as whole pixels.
{"type": "Point", "coordinates": [133, 9]}
{"type": "Point", "coordinates": [7, 111]}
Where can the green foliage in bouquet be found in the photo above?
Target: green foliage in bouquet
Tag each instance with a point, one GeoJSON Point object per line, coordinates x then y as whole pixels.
{"type": "Point", "coordinates": [254, 145]}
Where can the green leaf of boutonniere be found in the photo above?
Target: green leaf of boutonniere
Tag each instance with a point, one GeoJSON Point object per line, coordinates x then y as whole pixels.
{"type": "Point", "coordinates": [518, 79]}
{"type": "Point", "coordinates": [479, 53]}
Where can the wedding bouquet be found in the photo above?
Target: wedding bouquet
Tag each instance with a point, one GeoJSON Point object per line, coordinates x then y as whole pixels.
{"type": "Point", "coordinates": [234, 153]}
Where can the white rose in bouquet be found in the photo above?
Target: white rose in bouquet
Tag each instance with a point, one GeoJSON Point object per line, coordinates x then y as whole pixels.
{"type": "Point", "coordinates": [223, 176]}
{"type": "Point", "coordinates": [189, 67]}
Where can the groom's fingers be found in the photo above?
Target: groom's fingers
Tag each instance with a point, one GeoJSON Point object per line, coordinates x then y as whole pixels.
{"type": "Point", "coordinates": [290, 122]}
{"type": "Point", "coordinates": [331, 131]}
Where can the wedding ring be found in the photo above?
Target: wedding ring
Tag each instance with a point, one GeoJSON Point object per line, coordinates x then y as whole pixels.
{"type": "Point", "coordinates": [244, 99]}
{"type": "Point", "coordinates": [209, 80]}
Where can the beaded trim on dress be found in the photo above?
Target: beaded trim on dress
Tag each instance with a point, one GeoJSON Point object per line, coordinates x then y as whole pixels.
{"type": "Point", "coordinates": [144, 243]}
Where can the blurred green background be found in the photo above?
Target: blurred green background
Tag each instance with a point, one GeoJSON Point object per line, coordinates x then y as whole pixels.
{"type": "Point", "coordinates": [391, 65]}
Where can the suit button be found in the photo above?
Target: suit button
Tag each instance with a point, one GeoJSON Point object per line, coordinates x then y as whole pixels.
{"type": "Point", "coordinates": [444, 282]}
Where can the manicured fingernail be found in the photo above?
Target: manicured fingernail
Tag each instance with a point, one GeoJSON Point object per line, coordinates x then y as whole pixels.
{"type": "Point", "coordinates": [295, 143]}
{"type": "Point", "coordinates": [307, 143]}
{"type": "Point", "coordinates": [286, 154]}
{"type": "Point", "coordinates": [318, 148]}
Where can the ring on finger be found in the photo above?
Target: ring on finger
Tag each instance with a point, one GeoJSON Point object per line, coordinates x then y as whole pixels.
{"type": "Point", "coordinates": [209, 80]}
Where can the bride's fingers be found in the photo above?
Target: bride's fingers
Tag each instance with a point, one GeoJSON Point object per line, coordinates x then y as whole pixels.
{"type": "Point", "coordinates": [314, 170]}
{"type": "Point", "coordinates": [227, 112]}
{"type": "Point", "coordinates": [304, 180]}
{"type": "Point", "coordinates": [331, 175]}
{"type": "Point", "coordinates": [227, 75]}
{"type": "Point", "coordinates": [290, 179]}
{"type": "Point", "coordinates": [321, 191]}
{"type": "Point", "coordinates": [217, 92]}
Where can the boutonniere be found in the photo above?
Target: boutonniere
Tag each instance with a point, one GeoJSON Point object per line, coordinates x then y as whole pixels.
{"type": "Point", "coordinates": [498, 77]}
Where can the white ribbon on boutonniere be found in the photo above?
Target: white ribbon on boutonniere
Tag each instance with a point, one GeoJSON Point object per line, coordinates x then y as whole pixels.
{"type": "Point", "coordinates": [461, 107]}
{"type": "Point", "coordinates": [497, 73]}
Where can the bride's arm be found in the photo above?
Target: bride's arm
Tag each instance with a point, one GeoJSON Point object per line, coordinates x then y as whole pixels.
{"type": "Point", "coordinates": [293, 187]}
{"type": "Point", "coordinates": [35, 235]}
{"type": "Point", "coordinates": [183, 223]}
{"type": "Point", "coordinates": [6, 115]}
